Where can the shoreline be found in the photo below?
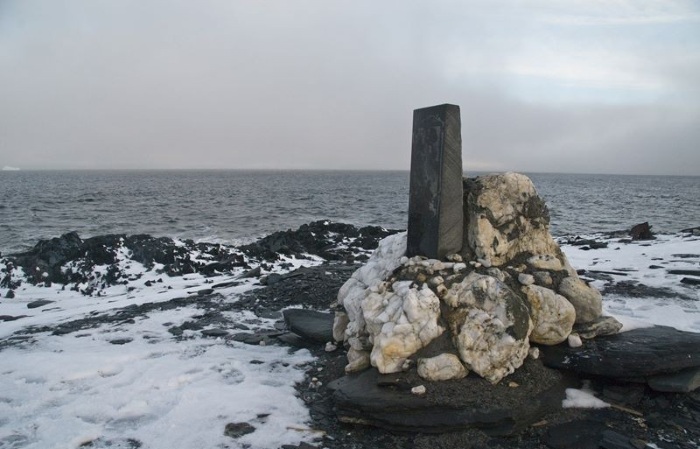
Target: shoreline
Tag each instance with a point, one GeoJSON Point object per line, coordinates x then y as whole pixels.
{"type": "Point", "coordinates": [236, 304]}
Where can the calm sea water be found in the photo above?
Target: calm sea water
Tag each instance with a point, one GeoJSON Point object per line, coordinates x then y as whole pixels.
{"type": "Point", "coordinates": [238, 206]}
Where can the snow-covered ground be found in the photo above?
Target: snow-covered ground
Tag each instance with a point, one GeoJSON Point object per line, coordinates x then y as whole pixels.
{"type": "Point", "coordinates": [647, 262]}
{"type": "Point", "coordinates": [122, 384]}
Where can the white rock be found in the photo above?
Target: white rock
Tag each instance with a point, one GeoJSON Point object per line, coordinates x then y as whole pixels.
{"type": "Point", "coordinates": [534, 353]}
{"type": "Point", "coordinates": [454, 257]}
{"type": "Point", "coordinates": [526, 279]}
{"type": "Point", "coordinates": [486, 263]}
{"type": "Point", "coordinates": [383, 261]}
{"type": "Point", "coordinates": [340, 323]}
{"type": "Point", "coordinates": [490, 326]}
{"type": "Point", "coordinates": [437, 280]}
{"type": "Point", "coordinates": [419, 390]}
{"type": "Point", "coordinates": [575, 341]}
{"type": "Point", "coordinates": [459, 267]}
{"type": "Point", "coordinates": [587, 301]}
{"type": "Point", "coordinates": [545, 262]}
{"type": "Point", "coordinates": [330, 347]}
{"type": "Point", "coordinates": [441, 367]}
{"type": "Point", "coordinates": [400, 323]}
{"type": "Point", "coordinates": [357, 361]}
{"type": "Point", "coordinates": [552, 315]}
{"type": "Point", "coordinates": [516, 223]}
{"type": "Point", "coordinates": [438, 265]}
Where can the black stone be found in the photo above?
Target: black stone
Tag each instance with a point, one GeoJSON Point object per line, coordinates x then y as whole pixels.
{"type": "Point", "coordinates": [435, 213]}
{"type": "Point", "coordinates": [10, 294]}
{"type": "Point", "coordinates": [38, 303]}
{"type": "Point", "coordinates": [681, 382]}
{"type": "Point", "coordinates": [310, 324]}
{"type": "Point", "coordinates": [639, 353]}
{"type": "Point", "coordinates": [690, 281]}
{"type": "Point", "coordinates": [581, 434]}
{"type": "Point", "coordinates": [641, 231]}
{"type": "Point", "coordinates": [214, 332]}
{"type": "Point", "coordinates": [686, 272]}
{"type": "Point", "coordinates": [238, 429]}
{"type": "Point", "coordinates": [368, 398]}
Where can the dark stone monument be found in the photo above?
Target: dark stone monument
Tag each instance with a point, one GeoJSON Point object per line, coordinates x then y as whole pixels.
{"type": "Point", "coordinates": [435, 215]}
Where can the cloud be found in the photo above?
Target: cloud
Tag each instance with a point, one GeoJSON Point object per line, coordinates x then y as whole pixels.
{"type": "Point", "coordinates": [315, 84]}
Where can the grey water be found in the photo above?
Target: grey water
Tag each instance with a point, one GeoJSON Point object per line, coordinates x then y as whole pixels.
{"type": "Point", "coordinates": [230, 206]}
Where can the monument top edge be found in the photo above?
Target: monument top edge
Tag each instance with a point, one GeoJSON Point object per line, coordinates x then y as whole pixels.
{"type": "Point", "coordinates": [438, 106]}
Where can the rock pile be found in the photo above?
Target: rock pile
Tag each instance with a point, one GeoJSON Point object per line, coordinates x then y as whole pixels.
{"type": "Point", "coordinates": [508, 287]}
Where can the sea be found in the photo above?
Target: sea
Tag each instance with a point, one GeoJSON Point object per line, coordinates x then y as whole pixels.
{"type": "Point", "coordinates": [234, 207]}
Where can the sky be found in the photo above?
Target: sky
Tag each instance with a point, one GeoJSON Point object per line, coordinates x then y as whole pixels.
{"type": "Point", "coordinates": [580, 86]}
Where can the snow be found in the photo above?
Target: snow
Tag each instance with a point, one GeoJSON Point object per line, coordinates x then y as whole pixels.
{"type": "Point", "coordinates": [634, 261]}
{"type": "Point", "coordinates": [61, 391]}
{"type": "Point", "coordinates": [583, 398]}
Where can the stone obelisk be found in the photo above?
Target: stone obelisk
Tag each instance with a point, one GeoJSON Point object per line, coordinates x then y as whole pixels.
{"type": "Point", "coordinates": [435, 215]}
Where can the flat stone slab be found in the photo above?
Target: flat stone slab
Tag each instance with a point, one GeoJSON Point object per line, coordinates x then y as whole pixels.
{"type": "Point", "coordinates": [39, 303]}
{"type": "Point", "coordinates": [386, 401]}
{"type": "Point", "coordinates": [310, 324]}
{"type": "Point", "coordinates": [639, 353]}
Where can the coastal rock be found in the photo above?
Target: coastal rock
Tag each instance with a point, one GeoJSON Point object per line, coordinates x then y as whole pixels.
{"type": "Point", "coordinates": [385, 259]}
{"type": "Point", "coordinates": [552, 315]}
{"type": "Point", "coordinates": [490, 326]}
{"type": "Point", "coordinates": [367, 398]}
{"type": "Point", "coordinates": [641, 231]}
{"type": "Point", "coordinates": [639, 353]}
{"type": "Point", "coordinates": [587, 301]}
{"type": "Point", "coordinates": [310, 324]}
{"type": "Point", "coordinates": [400, 320]}
{"type": "Point", "coordinates": [340, 323]}
{"type": "Point", "coordinates": [504, 217]}
{"type": "Point", "coordinates": [441, 367]}
{"type": "Point", "coordinates": [605, 325]}
{"type": "Point", "coordinates": [683, 381]}
{"type": "Point", "coordinates": [39, 303]}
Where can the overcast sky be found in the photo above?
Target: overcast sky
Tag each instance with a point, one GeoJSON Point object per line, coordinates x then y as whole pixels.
{"type": "Point", "coordinates": [610, 86]}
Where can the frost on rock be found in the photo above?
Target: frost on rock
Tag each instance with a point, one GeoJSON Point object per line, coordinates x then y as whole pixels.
{"type": "Point", "coordinates": [490, 326]}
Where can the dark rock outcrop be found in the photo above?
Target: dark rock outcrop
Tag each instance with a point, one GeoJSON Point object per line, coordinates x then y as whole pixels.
{"type": "Point", "coordinates": [636, 354]}
{"type": "Point", "coordinates": [332, 241]}
{"type": "Point", "coordinates": [310, 324]}
{"type": "Point", "coordinates": [641, 231]}
{"type": "Point", "coordinates": [386, 401]}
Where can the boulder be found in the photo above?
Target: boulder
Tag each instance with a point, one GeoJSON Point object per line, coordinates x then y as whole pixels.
{"type": "Point", "coordinates": [490, 325]}
{"type": "Point", "coordinates": [385, 259]}
{"type": "Point", "coordinates": [386, 401]}
{"type": "Point", "coordinates": [641, 231]}
{"type": "Point", "coordinates": [441, 367]}
{"type": "Point", "coordinates": [552, 315]}
{"type": "Point", "coordinates": [605, 325]}
{"type": "Point", "coordinates": [504, 217]}
{"type": "Point", "coordinates": [683, 381]}
{"type": "Point", "coordinates": [587, 301]}
{"type": "Point", "coordinates": [636, 354]}
{"type": "Point", "coordinates": [401, 320]}
{"type": "Point", "coordinates": [310, 324]}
